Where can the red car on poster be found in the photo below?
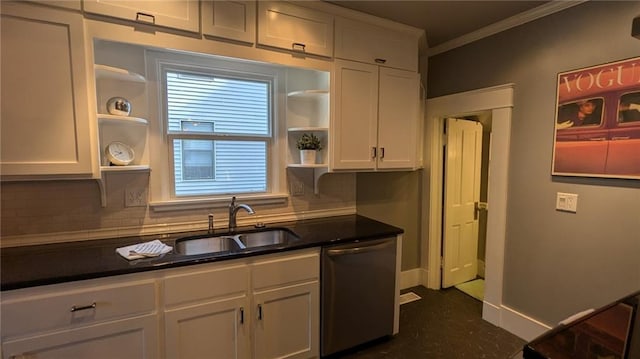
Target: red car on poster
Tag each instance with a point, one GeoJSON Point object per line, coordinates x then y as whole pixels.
{"type": "Point", "coordinates": [598, 121]}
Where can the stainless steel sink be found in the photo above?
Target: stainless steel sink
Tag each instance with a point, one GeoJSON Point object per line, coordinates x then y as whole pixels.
{"type": "Point", "coordinates": [266, 238]}
{"type": "Point", "coordinates": [233, 241]}
{"type": "Point", "coordinates": [199, 245]}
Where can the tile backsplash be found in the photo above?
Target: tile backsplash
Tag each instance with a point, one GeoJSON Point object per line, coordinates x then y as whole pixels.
{"type": "Point", "coordinates": [42, 207]}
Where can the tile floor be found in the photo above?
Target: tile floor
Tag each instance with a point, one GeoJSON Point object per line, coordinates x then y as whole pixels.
{"type": "Point", "coordinates": [445, 324]}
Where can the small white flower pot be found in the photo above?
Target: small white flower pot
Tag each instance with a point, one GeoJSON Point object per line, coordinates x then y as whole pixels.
{"type": "Point", "coordinates": [308, 157]}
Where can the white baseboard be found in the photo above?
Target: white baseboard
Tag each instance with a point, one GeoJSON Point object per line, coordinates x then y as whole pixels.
{"type": "Point", "coordinates": [521, 325]}
{"type": "Point", "coordinates": [413, 277]}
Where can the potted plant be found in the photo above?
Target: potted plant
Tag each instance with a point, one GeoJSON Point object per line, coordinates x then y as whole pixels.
{"type": "Point", "coordinates": [308, 144]}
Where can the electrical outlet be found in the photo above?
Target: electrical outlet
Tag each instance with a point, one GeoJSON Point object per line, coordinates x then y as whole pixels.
{"type": "Point", "coordinates": [135, 197]}
{"type": "Point", "coordinates": [297, 188]}
{"type": "Point", "coordinates": [567, 202]}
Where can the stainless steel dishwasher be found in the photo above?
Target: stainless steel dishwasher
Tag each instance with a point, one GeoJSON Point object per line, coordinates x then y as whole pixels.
{"type": "Point", "coordinates": [358, 293]}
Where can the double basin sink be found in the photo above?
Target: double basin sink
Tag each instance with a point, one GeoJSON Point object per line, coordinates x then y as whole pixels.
{"type": "Point", "coordinates": [233, 241]}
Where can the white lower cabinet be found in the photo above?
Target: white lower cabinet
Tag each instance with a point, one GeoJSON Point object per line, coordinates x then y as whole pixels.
{"type": "Point", "coordinates": [266, 307]}
{"type": "Point", "coordinates": [288, 322]}
{"type": "Point", "coordinates": [260, 307]}
{"type": "Point", "coordinates": [102, 318]}
{"type": "Point", "coordinates": [286, 295]}
{"type": "Point", "coordinates": [127, 338]}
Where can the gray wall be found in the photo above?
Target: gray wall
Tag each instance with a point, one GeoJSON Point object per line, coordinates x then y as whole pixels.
{"type": "Point", "coordinates": [556, 263]}
{"type": "Point", "coordinates": [394, 198]}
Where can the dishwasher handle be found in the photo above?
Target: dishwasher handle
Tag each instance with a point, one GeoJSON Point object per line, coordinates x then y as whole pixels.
{"type": "Point", "coordinates": [357, 250]}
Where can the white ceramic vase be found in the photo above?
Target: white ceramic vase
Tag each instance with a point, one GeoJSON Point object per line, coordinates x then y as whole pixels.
{"type": "Point", "coordinates": [308, 157]}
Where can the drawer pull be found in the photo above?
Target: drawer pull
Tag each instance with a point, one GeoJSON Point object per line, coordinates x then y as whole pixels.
{"type": "Point", "coordinates": [374, 152]}
{"type": "Point", "coordinates": [380, 61]}
{"type": "Point", "coordinates": [381, 152]}
{"type": "Point", "coordinates": [241, 315]}
{"type": "Point", "coordinates": [83, 307]}
{"type": "Point", "coordinates": [259, 311]}
{"type": "Point", "coordinates": [146, 18]}
{"type": "Point", "coordinates": [298, 46]}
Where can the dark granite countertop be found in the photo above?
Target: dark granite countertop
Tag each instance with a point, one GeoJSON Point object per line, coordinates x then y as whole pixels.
{"type": "Point", "coordinates": [29, 266]}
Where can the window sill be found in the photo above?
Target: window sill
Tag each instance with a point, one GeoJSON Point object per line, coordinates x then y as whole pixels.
{"type": "Point", "coordinates": [200, 203]}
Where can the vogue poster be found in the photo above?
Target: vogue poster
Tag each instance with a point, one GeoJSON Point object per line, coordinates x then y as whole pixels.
{"type": "Point", "coordinates": [597, 128]}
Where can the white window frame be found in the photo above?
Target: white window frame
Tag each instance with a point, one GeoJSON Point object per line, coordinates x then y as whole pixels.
{"type": "Point", "coordinates": [162, 181]}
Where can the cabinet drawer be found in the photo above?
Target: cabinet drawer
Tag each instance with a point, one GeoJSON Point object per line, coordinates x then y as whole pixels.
{"type": "Point", "coordinates": [376, 45]}
{"type": "Point", "coordinates": [200, 285]}
{"type": "Point", "coordinates": [182, 15]}
{"type": "Point", "coordinates": [281, 270]}
{"type": "Point", "coordinates": [295, 28]}
{"type": "Point", "coordinates": [41, 309]}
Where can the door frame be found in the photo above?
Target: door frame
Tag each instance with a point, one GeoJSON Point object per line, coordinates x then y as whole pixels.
{"type": "Point", "coordinates": [498, 100]}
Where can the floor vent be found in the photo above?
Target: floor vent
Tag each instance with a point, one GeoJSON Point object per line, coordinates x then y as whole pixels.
{"type": "Point", "coordinates": [409, 297]}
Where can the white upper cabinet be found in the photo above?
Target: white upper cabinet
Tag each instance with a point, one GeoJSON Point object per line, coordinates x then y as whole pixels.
{"type": "Point", "coordinates": [376, 118]}
{"type": "Point", "coordinates": [373, 44]}
{"type": "Point", "coordinates": [45, 113]}
{"type": "Point", "coordinates": [235, 20]}
{"type": "Point", "coordinates": [176, 14]}
{"type": "Point", "coordinates": [295, 28]}
{"type": "Point", "coordinates": [354, 126]}
{"type": "Point", "coordinates": [398, 116]}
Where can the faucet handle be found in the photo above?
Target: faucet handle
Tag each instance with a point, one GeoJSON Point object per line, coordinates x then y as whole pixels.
{"type": "Point", "coordinates": [233, 202]}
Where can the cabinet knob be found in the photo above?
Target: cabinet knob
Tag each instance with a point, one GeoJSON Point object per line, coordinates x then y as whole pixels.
{"type": "Point", "coordinates": [380, 61]}
{"type": "Point", "coordinates": [298, 46]}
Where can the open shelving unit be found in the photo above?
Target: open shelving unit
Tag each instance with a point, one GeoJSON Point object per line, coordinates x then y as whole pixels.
{"type": "Point", "coordinates": [119, 81]}
{"type": "Point", "coordinates": [308, 112]}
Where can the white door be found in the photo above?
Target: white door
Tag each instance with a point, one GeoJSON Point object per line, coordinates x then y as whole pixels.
{"type": "Point", "coordinates": [462, 192]}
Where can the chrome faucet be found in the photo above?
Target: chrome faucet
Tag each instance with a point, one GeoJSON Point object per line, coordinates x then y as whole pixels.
{"type": "Point", "coordinates": [233, 210]}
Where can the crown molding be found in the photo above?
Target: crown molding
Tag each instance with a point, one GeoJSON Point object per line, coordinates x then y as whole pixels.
{"type": "Point", "coordinates": [506, 24]}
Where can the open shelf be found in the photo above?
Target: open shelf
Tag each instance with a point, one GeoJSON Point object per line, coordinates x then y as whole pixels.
{"type": "Point", "coordinates": [103, 117]}
{"type": "Point", "coordinates": [128, 168]}
{"type": "Point", "coordinates": [298, 165]}
{"type": "Point", "coordinates": [308, 93]}
{"type": "Point", "coordinates": [115, 73]}
{"type": "Point", "coordinates": [308, 129]}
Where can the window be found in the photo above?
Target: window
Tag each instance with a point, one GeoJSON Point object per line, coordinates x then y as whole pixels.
{"type": "Point", "coordinates": [629, 108]}
{"type": "Point", "coordinates": [218, 127]}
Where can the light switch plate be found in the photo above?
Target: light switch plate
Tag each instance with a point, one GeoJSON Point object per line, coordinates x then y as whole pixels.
{"type": "Point", "coordinates": [567, 202]}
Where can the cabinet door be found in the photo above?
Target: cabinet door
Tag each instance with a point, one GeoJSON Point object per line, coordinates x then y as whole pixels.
{"type": "Point", "coordinates": [295, 28]}
{"type": "Point", "coordinates": [398, 116]}
{"type": "Point", "coordinates": [129, 338]}
{"type": "Point", "coordinates": [45, 114]}
{"type": "Point", "coordinates": [217, 329]}
{"type": "Point", "coordinates": [354, 124]}
{"type": "Point", "coordinates": [376, 45]}
{"type": "Point", "coordinates": [177, 14]}
{"type": "Point", "coordinates": [287, 322]}
{"type": "Point", "coordinates": [235, 20]}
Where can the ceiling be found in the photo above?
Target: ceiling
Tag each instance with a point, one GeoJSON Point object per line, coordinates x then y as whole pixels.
{"type": "Point", "coordinates": [442, 20]}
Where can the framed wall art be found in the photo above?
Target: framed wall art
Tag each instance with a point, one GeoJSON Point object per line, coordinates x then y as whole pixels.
{"type": "Point", "coordinates": [597, 127]}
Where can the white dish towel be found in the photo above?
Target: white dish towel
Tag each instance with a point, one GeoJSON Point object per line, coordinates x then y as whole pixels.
{"type": "Point", "coordinates": [144, 250]}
